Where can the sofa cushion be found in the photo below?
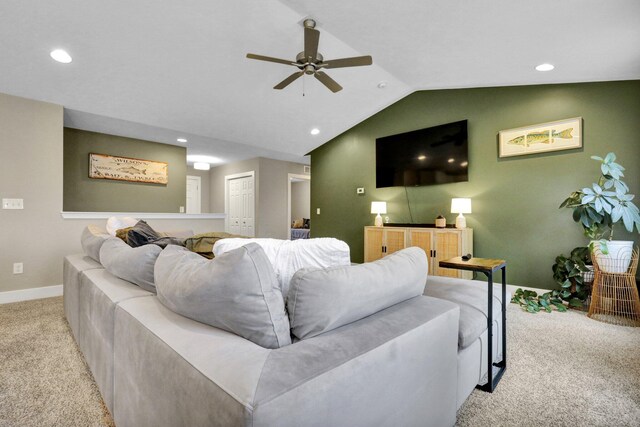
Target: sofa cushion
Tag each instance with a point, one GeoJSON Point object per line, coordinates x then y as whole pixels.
{"type": "Point", "coordinates": [321, 300]}
{"type": "Point", "coordinates": [237, 291]}
{"type": "Point", "coordinates": [471, 296]}
{"type": "Point", "coordinates": [134, 265]}
{"type": "Point", "coordinates": [91, 240]}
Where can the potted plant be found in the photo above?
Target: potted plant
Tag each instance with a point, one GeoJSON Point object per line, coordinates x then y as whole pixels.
{"type": "Point", "coordinates": [574, 274]}
{"type": "Point", "coordinates": [599, 208]}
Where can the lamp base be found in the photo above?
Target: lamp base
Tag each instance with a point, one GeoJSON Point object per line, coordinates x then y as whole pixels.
{"type": "Point", "coordinates": [378, 222]}
{"type": "Point", "coordinates": [461, 221]}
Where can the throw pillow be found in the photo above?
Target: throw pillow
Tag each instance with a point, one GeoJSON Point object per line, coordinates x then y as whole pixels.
{"type": "Point", "coordinates": [116, 223]}
{"type": "Point", "coordinates": [298, 223]}
{"type": "Point", "coordinates": [237, 292]}
{"type": "Point", "coordinates": [91, 240]}
{"type": "Point", "coordinates": [134, 265]}
{"type": "Point", "coordinates": [321, 300]}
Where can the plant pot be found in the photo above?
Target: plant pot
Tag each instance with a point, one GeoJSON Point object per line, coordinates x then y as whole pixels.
{"type": "Point", "coordinates": [618, 258]}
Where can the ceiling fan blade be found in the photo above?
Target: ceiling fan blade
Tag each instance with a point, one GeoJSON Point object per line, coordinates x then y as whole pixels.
{"type": "Point", "coordinates": [311, 40]}
{"type": "Point", "coordinates": [356, 61]}
{"type": "Point", "coordinates": [328, 81]}
{"type": "Point", "coordinates": [286, 82]}
{"type": "Point", "coordinates": [269, 59]}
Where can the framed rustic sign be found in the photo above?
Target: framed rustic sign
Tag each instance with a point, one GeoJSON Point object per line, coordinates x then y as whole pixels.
{"type": "Point", "coordinates": [541, 138]}
{"type": "Point", "coordinates": [103, 166]}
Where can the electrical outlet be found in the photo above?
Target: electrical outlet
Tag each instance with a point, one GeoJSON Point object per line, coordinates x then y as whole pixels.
{"type": "Point", "coordinates": [18, 268]}
{"type": "Point", "coordinates": [12, 204]}
{"type": "Point", "coordinates": [181, 209]}
{"type": "Point", "coordinates": [360, 190]}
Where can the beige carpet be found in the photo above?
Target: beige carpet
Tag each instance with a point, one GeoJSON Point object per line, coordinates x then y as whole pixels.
{"type": "Point", "coordinates": [43, 378]}
{"type": "Point", "coordinates": [564, 370]}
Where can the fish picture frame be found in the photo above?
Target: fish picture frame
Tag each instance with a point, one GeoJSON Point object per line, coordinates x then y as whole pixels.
{"type": "Point", "coordinates": [104, 166]}
{"type": "Point", "coordinates": [541, 138]}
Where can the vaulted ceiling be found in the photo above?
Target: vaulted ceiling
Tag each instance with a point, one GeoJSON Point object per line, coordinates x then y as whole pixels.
{"type": "Point", "coordinates": [160, 70]}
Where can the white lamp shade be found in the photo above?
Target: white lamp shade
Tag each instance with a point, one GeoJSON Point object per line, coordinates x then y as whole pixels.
{"type": "Point", "coordinates": [461, 206]}
{"type": "Point", "coordinates": [378, 207]}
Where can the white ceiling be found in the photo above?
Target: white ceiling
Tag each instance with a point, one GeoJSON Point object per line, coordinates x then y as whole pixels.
{"type": "Point", "coordinates": [158, 70]}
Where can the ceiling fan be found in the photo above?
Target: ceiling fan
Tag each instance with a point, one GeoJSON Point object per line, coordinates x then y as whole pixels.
{"type": "Point", "coordinates": [310, 61]}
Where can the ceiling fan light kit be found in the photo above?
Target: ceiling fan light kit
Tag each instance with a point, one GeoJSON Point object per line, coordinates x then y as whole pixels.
{"type": "Point", "coordinates": [311, 62]}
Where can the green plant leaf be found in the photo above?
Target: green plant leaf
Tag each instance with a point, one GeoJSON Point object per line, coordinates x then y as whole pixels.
{"type": "Point", "coordinates": [575, 302]}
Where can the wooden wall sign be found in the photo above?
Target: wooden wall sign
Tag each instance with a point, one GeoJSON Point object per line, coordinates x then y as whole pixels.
{"type": "Point", "coordinates": [103, 166]}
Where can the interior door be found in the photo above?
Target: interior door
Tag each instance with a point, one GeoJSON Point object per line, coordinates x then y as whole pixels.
{"type": "Point", "coordinates": [247, 226]}
{"type": "Point", "coordinates": [194, 195]}
{"type": "Point", "coordinates": [241, 215]}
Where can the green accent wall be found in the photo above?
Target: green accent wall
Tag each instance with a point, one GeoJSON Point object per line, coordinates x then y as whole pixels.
{"type": "Point", "coordinates": [515, 201]}
{"type": "Point", "coordinates": [84, 194]}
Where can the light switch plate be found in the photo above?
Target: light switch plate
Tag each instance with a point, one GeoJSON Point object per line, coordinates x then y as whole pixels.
{"type": "Point", "coordinates": [12, 203]}
{"type": "Point", "coordinates": [18, 268]}
{"type": "Point", "coordinates": [318, 211]}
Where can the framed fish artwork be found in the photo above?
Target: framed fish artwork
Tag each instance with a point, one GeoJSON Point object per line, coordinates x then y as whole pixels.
{"type": "Point", "coordinates": [541, 138]}
{"type": "Point", "coordinates": [104, 166]}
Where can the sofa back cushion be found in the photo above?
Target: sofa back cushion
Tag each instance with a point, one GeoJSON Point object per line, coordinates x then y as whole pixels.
{"type": "Point", "coordinates": [321, 300]}
{"type": "Point", "coordinates": [91, 240]}
{"type": "Point", "coordinates": [134, 265]}
{"type": "Point", "coordinates": [237, 291]}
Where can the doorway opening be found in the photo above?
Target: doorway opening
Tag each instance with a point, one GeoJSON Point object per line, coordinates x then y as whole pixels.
{"type": "Point", "coordinates": [298, 206]}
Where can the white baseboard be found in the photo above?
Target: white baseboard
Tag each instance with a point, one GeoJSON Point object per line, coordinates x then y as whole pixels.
{"type": "Point", "coordinates": [31, 293]}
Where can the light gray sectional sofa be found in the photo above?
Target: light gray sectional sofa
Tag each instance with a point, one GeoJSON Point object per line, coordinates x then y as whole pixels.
{"type": "Point", "coordinates": [412, 363]}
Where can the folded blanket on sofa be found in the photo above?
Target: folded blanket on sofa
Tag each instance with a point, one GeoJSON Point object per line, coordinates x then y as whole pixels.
{"type": "Point", "coordinates": [202, 244]}
{"type": "Point", "coordinates": [289, 256]}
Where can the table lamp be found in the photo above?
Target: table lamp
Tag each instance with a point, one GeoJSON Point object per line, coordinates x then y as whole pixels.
{"type": "Point", "coordinates": [460, 206]}
{"type": "Point", "coordinates": [378, 208]}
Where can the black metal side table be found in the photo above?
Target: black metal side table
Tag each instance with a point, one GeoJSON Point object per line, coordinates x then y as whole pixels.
{"type": "Point", "coordinates": [488, 267]}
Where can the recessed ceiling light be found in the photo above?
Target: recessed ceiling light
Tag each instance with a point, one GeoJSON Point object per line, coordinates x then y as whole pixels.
{"type": "Point", "coordinates": [382, 85]}
{"type": "Point", "coordinates": [61, 55]}
{"type": "Point", "coordinates": [545, 67]}
{"type": "Point", "coordinates": [202, 166]}
{"type": "Point", "coordinates": [451, 160]}
{"type": "Point", "coordinates": [203, 159]}
{"type": "Point", "coordinates": [182, 139]}
{"type": "Point", "coordinates": [315, 131]}
{"type": "Point", "coordinates": [422, 157]}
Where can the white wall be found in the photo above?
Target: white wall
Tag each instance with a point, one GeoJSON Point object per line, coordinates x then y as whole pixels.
{"type": "Point", "coordinates": [31, 156]}
{"type": "Point", "coordinates": [300, 200]}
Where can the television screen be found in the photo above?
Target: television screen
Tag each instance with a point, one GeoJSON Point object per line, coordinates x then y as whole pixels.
{"type": "Point", "coordinates": [435, 155]}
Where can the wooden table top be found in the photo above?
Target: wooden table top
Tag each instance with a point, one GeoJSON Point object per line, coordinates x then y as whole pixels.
{"type": "Point", "coordinates": [474, 264]}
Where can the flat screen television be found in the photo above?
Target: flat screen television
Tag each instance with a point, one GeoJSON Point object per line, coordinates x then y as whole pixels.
{"type": "Point", "coordinates": [435, 155]}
